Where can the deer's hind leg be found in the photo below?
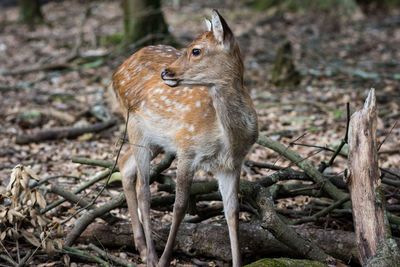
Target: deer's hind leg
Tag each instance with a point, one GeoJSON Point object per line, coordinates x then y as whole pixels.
{"type": "Point", "coordinates": [128, 167]}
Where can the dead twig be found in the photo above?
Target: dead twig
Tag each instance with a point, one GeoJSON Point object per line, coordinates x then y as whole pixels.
{"type": "Point", "coordinates": [322, 212]}
{"type": "Point", "coordinates": [109, 256]}
{"type": "Point", "coordinates": [391, 129]}
{"type": "Point", "coordinates": [55, 134]}
{"type": "Point", "coordinates": [87, 255]}
{"type": "Point", "coordinates": [324, 165]}
{"type": "Point", "coordinates": [99, 176]}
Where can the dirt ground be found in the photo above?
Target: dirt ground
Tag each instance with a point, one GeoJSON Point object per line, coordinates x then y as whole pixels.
{"type": "Point", "coordinates": [339, 59]}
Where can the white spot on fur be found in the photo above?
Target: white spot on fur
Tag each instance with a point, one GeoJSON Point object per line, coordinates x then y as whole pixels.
{"type": "Point", "coordinates": [198, 104]}
{"type": "Point", "coordinates": [159, 91]}
{"type": "Point", "coordinates": [147, 77]}
{"type": "Point", "coordinates": [178, 105]}
{"type": "Point", "coordinates": [163, 97]}
{"type": "Point", "coordinates": [121, 69]}
{"type": "Point", "coordinates": [191, 128]}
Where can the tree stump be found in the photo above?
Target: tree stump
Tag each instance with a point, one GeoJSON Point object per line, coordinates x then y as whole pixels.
{"type": "Point", "coordinates": [367, 197]}
{"type": "Point", "coordinates": [284, 72]}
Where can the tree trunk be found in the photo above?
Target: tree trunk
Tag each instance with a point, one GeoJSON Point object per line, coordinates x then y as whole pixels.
{"type": "Point", "coordinates": [143, 18]}
{"type": "Point", "coordinates": [367, 195]}
{"type": "Point", "coordinates": [29, 11]}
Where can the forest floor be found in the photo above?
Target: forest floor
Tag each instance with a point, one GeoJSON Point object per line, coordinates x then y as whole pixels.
{"type": "Point", "coordinates": [339, 59]}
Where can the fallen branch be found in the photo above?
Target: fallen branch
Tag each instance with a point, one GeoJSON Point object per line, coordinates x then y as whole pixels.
{"type": "Point", "coordinates": [109, 256]}
{"type": "Point", "coordinates": [55, 134]}
{"type": "Point", "coordinates": [271, 221]}
{"type": "Point", "coordinates": [87, 218]}
{"type": "Point", "coordinates": [305, 165]}
{"type": "Point", "coordinates": [80, 201]}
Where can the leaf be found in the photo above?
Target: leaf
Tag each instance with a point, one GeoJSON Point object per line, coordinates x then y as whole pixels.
{"type": "Point", "coordinates": [40, 199]}
{"type": "Point", "coordinates": [33, 175]}
{"type": "Point", "coordinates": [16, 172]}
{"type": "Point", "coordinates": [30, 238]}
{"type": "Point", "coordinates": [10, 217]}
{"type": "Point", "coordinates": [25, 180]}
{"type": "Point", "coordinates": [3, 235]}
{"type": "Point", "coordinates": [27, 197]}
{"type": "Point", "coordinates": [16, 213]}
{"type": "Point", "coordinates": [3, 213]}
{"type": "Point", "coordinates": [50, 250]}
{"type": "Point", "coordinates": [60, 230]}
{"type": "Point", "coordinates": [85, 137]}
{"type": "Point", "coordinates": [41, 221]}
{"type": "Point", "coordinates": [59, 243]}
{"type": "Point", "coordinates": [66, 260]}
{"type": "Point", "coordinates": [33, 199]}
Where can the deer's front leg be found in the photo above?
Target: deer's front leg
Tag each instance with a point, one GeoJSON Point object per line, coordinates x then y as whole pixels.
{"type": "Point", "coordinates": [228, 185]}
{"type": "Point", "coordinates": [183, 183]}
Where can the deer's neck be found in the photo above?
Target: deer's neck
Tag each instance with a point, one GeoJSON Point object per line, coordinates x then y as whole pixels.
{"type": "Point", "coordinates": [236, 115]}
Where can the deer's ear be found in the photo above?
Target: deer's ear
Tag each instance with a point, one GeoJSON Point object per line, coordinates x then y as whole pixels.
{"type": "Point", "coordinates": [221, 30]}
{"type": "Point", "coordinates": [208, 24]}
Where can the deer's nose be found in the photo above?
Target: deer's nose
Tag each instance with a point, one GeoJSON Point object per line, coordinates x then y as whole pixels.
{"type": "Point", "coordinates": [166, 72]}
{"type": "Point", "coordinates": [163, 74]}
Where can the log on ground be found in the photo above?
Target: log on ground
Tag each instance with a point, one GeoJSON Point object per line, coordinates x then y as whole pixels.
{"type": "Point", "coordinates": [212, 240]}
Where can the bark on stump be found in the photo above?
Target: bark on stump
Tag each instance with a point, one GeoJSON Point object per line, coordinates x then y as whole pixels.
{"type": "Point", "coordinates": [368, 201]}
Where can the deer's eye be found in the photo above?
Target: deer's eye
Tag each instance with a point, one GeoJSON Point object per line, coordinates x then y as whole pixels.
{"type": "Point", "coordinates": [196, 52]}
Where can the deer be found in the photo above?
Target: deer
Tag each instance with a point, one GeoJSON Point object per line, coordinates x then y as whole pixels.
{"type": "Point", "coordinates": [192, 103]}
